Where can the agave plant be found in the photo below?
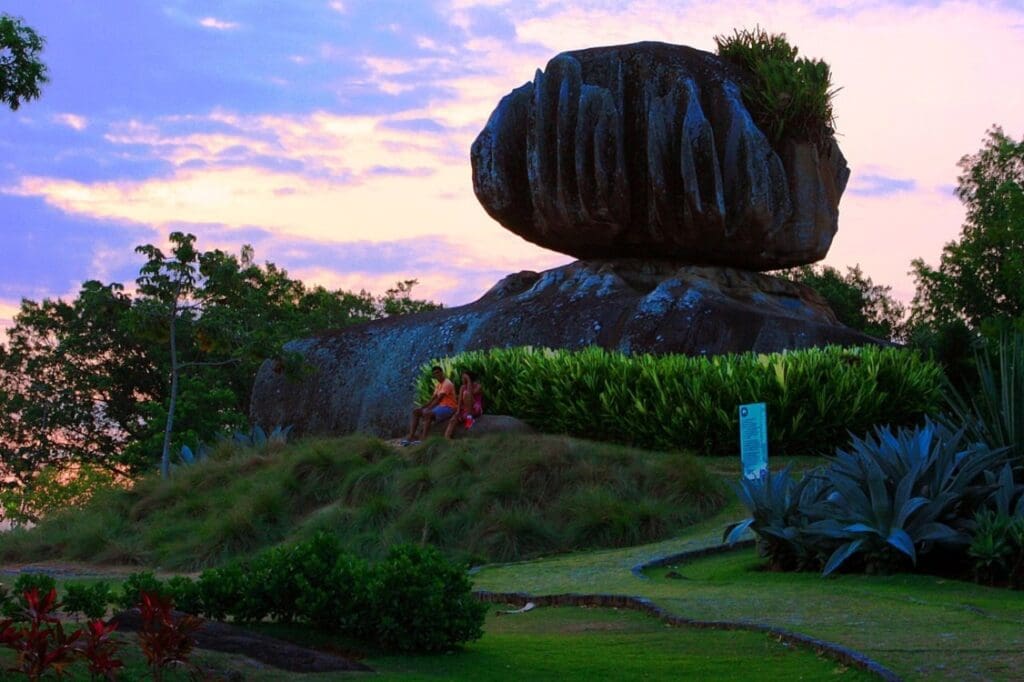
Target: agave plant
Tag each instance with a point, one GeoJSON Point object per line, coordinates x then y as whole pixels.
{"type": "Point", "coordinates": [899, 493]}
{"type": "Point", "coordinates": [188, 457]}
{"type": "Point", "coordinates": [258, 437]}
{"type": "Point", "coordinates": [781, 510]}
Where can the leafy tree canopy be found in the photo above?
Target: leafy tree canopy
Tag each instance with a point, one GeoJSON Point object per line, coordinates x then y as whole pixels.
{"type": "Point", "coordinates": [87, 381]}
{"type": "Point", "coordinates": [856, 300]}
{"type": "Point", "coordinates": [21, 71]}
{"type": "Point", "coordinates": [980, 277]}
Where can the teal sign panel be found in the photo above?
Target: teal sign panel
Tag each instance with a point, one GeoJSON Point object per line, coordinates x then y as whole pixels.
{"type": "Point", "coordinates": [754, 439]}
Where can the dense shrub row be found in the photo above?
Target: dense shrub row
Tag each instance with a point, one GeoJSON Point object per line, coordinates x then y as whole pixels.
{"type": "Point", "coordinates": [413, 600]}
{"type": "Point", "coordinates": [815, 397]}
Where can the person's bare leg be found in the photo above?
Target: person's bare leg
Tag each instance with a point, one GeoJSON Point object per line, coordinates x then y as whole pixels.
{"type": "Point", "coordinates": [416, 414]}
{"type": "Point", "coordinates": [428, 420]}
{"type": "Point", "coordinates": [452, 423]}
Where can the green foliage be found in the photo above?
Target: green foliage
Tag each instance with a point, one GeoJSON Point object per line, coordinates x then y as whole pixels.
{"type": "Point", "coordinates": [424, 603]}
{"type": "Point", "coordinates": [780, 511]}
{"type": "Point", "coordinates": [888, 498]}
{"type": "Point", "coordinates": [788, 96]}
{"type": "Point", "coordinates": [29, 581]}
{"type": "Point", "coordinates": [185, 593]}
{"type": "Point", "coordinates": [414, 600]}
{"type": "Point", "coordinates": [814, 397]}
{"type": "Point", "coordinates": [135, 585]}
{"type": "Point", "coordinates": [52, 488]}
{"type": "Point", "coordinates": [994, 412]}
{"type": "Point", "coordinates": [14, 604]}
{"type": "Point", "coordinates": [499, 498]}
{"type": "Point", "coordinates": [87, 599]}
{"type": "Point", "coordinates": [21, 71]}
{"type": "Point", "coordinates": [856, 300]}
{"type": "Point", "coordinates": [980, 277]}
{"type": "Point", "coordinates": [997, 548]}
{"type": "Point", "coordinates": [86, 381]}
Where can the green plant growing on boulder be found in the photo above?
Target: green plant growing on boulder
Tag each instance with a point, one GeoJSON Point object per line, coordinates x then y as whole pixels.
{"type": "Point", "coordinates": [788, 96]}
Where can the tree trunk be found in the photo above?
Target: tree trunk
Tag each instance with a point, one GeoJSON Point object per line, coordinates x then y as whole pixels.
{"type": "Point", "coordinates": [165, 457]}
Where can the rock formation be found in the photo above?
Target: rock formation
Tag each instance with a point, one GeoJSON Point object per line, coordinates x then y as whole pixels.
{"type": "Point", "coordinates": [643, 160]}
{"type": "Point", "coordinates": [363, 374]}
{"type": "Point", "coordinates": [647, 151]}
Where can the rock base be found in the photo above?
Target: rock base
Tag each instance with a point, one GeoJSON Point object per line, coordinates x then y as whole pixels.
{"type": "Point", "coordinates": [363, 375]}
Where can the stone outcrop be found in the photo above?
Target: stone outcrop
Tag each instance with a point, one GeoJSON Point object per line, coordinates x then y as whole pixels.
{"type": "Point", "coordinates": [647, 151]}
{"type": "Point", "coordinates": [362, 376]}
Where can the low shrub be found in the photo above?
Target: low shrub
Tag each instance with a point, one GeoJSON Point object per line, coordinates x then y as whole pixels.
{"type": "Point", "coordinates": [185, 593]}
{"type": "Point", "coordinates": [414, 600]}
{"type": "Point", "coordinates": [133, 587]}
{"type": "Point", "coordinates": [14, 605]}
{"type": "Point", "coordinates": [90, 600]}
{"type": "Point", "coordinates": [423, 603]}
{"type": "Point", "coordinates": [814, 397]}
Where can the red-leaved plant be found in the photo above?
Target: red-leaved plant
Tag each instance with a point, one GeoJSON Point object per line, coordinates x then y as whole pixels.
{"type": "Point", "coordinates": [41, 644]}
{"type": "Point", "coordinates": [165, 640]}
{"type": "Point", "coordinates": [98, 649]}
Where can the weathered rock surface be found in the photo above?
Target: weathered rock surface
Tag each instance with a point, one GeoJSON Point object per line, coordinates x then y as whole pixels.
{"type": "Point", "coordinates": [647, 151]}
{"type": "Point", "coordinates": [490, 424]}
{"type": "Point", "coordinates": [363, 375]}
{"type": "Point", "coordinates": [231, 639]}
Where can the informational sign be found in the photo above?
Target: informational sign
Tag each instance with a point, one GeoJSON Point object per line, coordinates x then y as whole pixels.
{"type": "Point", "coordinates": [754, 439]}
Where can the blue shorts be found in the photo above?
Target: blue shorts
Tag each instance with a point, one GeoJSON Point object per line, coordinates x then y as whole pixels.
{"type": "Point", "coordinates": [442, 412]}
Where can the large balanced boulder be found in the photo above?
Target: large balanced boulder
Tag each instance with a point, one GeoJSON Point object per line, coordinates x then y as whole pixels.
{"type": "Point", "coordinates": [647, 151]}
{"type": "Point", "coordinates": [362, 376]}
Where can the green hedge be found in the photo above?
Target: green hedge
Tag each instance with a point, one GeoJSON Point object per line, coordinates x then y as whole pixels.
{"type": "Point", "coordinates": [815, 397]}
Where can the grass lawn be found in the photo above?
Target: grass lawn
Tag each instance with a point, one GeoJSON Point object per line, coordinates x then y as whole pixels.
{"type": "Point", "coordinates": [560, 644]}
{"type": "Point", "coordinates": [922, 627]}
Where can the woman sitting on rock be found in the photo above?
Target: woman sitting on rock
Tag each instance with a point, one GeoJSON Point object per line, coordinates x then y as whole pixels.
{"type": "Point", "coordinates": [471, 404]}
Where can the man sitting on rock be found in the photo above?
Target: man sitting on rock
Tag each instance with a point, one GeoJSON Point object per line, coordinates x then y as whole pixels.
{"type": "Point", "coordinates": [439, 408]}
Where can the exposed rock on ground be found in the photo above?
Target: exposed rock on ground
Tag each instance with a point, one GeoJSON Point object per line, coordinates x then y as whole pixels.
{"type": "Point", "coordinates": [362, 375]}
{"type": "Point", "coordinates": [647, 151]}
{"type": "Point", "coordinates": [231, 639]}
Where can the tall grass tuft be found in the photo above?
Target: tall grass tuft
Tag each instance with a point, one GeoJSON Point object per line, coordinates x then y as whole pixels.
{"type": "Point", "coordinates": [787, 95]}
{"type": "Point", "coordinates": [994, 413]}
{"type": "Point", "coordinates": [498, 498]}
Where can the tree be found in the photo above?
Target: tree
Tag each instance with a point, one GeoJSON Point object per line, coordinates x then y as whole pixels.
{"type": "Point", "coordinates": [169, 287]}
{"type": "Point", "coordinates": [21, 71]}
{"type": "Point", "coordinates": [109, 379]}
{"type": "Point", "coordinates": [856, 300]}
{"type": "Point", "coordinates": [980, 277]}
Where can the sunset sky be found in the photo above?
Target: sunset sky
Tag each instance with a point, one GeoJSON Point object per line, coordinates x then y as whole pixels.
{"type": "Point", "coordinates": [334, 136]}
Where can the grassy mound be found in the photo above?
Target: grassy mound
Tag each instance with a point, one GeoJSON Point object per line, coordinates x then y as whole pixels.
{"type": "Point", "coordinates": [491, 499]}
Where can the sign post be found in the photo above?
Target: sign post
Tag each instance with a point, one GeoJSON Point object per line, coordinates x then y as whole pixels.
{"type": "Point", "coordinates": [754, 440]}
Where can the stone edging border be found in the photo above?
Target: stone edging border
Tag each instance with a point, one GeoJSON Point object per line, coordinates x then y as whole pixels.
{"type": "Point", "coordinates": [836, 652]}
{"type": "Point", "coordinates": [681, 557]}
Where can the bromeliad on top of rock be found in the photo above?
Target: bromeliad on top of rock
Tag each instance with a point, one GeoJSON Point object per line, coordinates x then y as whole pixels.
{"type": "Point", "coordinates": [648, 150]}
